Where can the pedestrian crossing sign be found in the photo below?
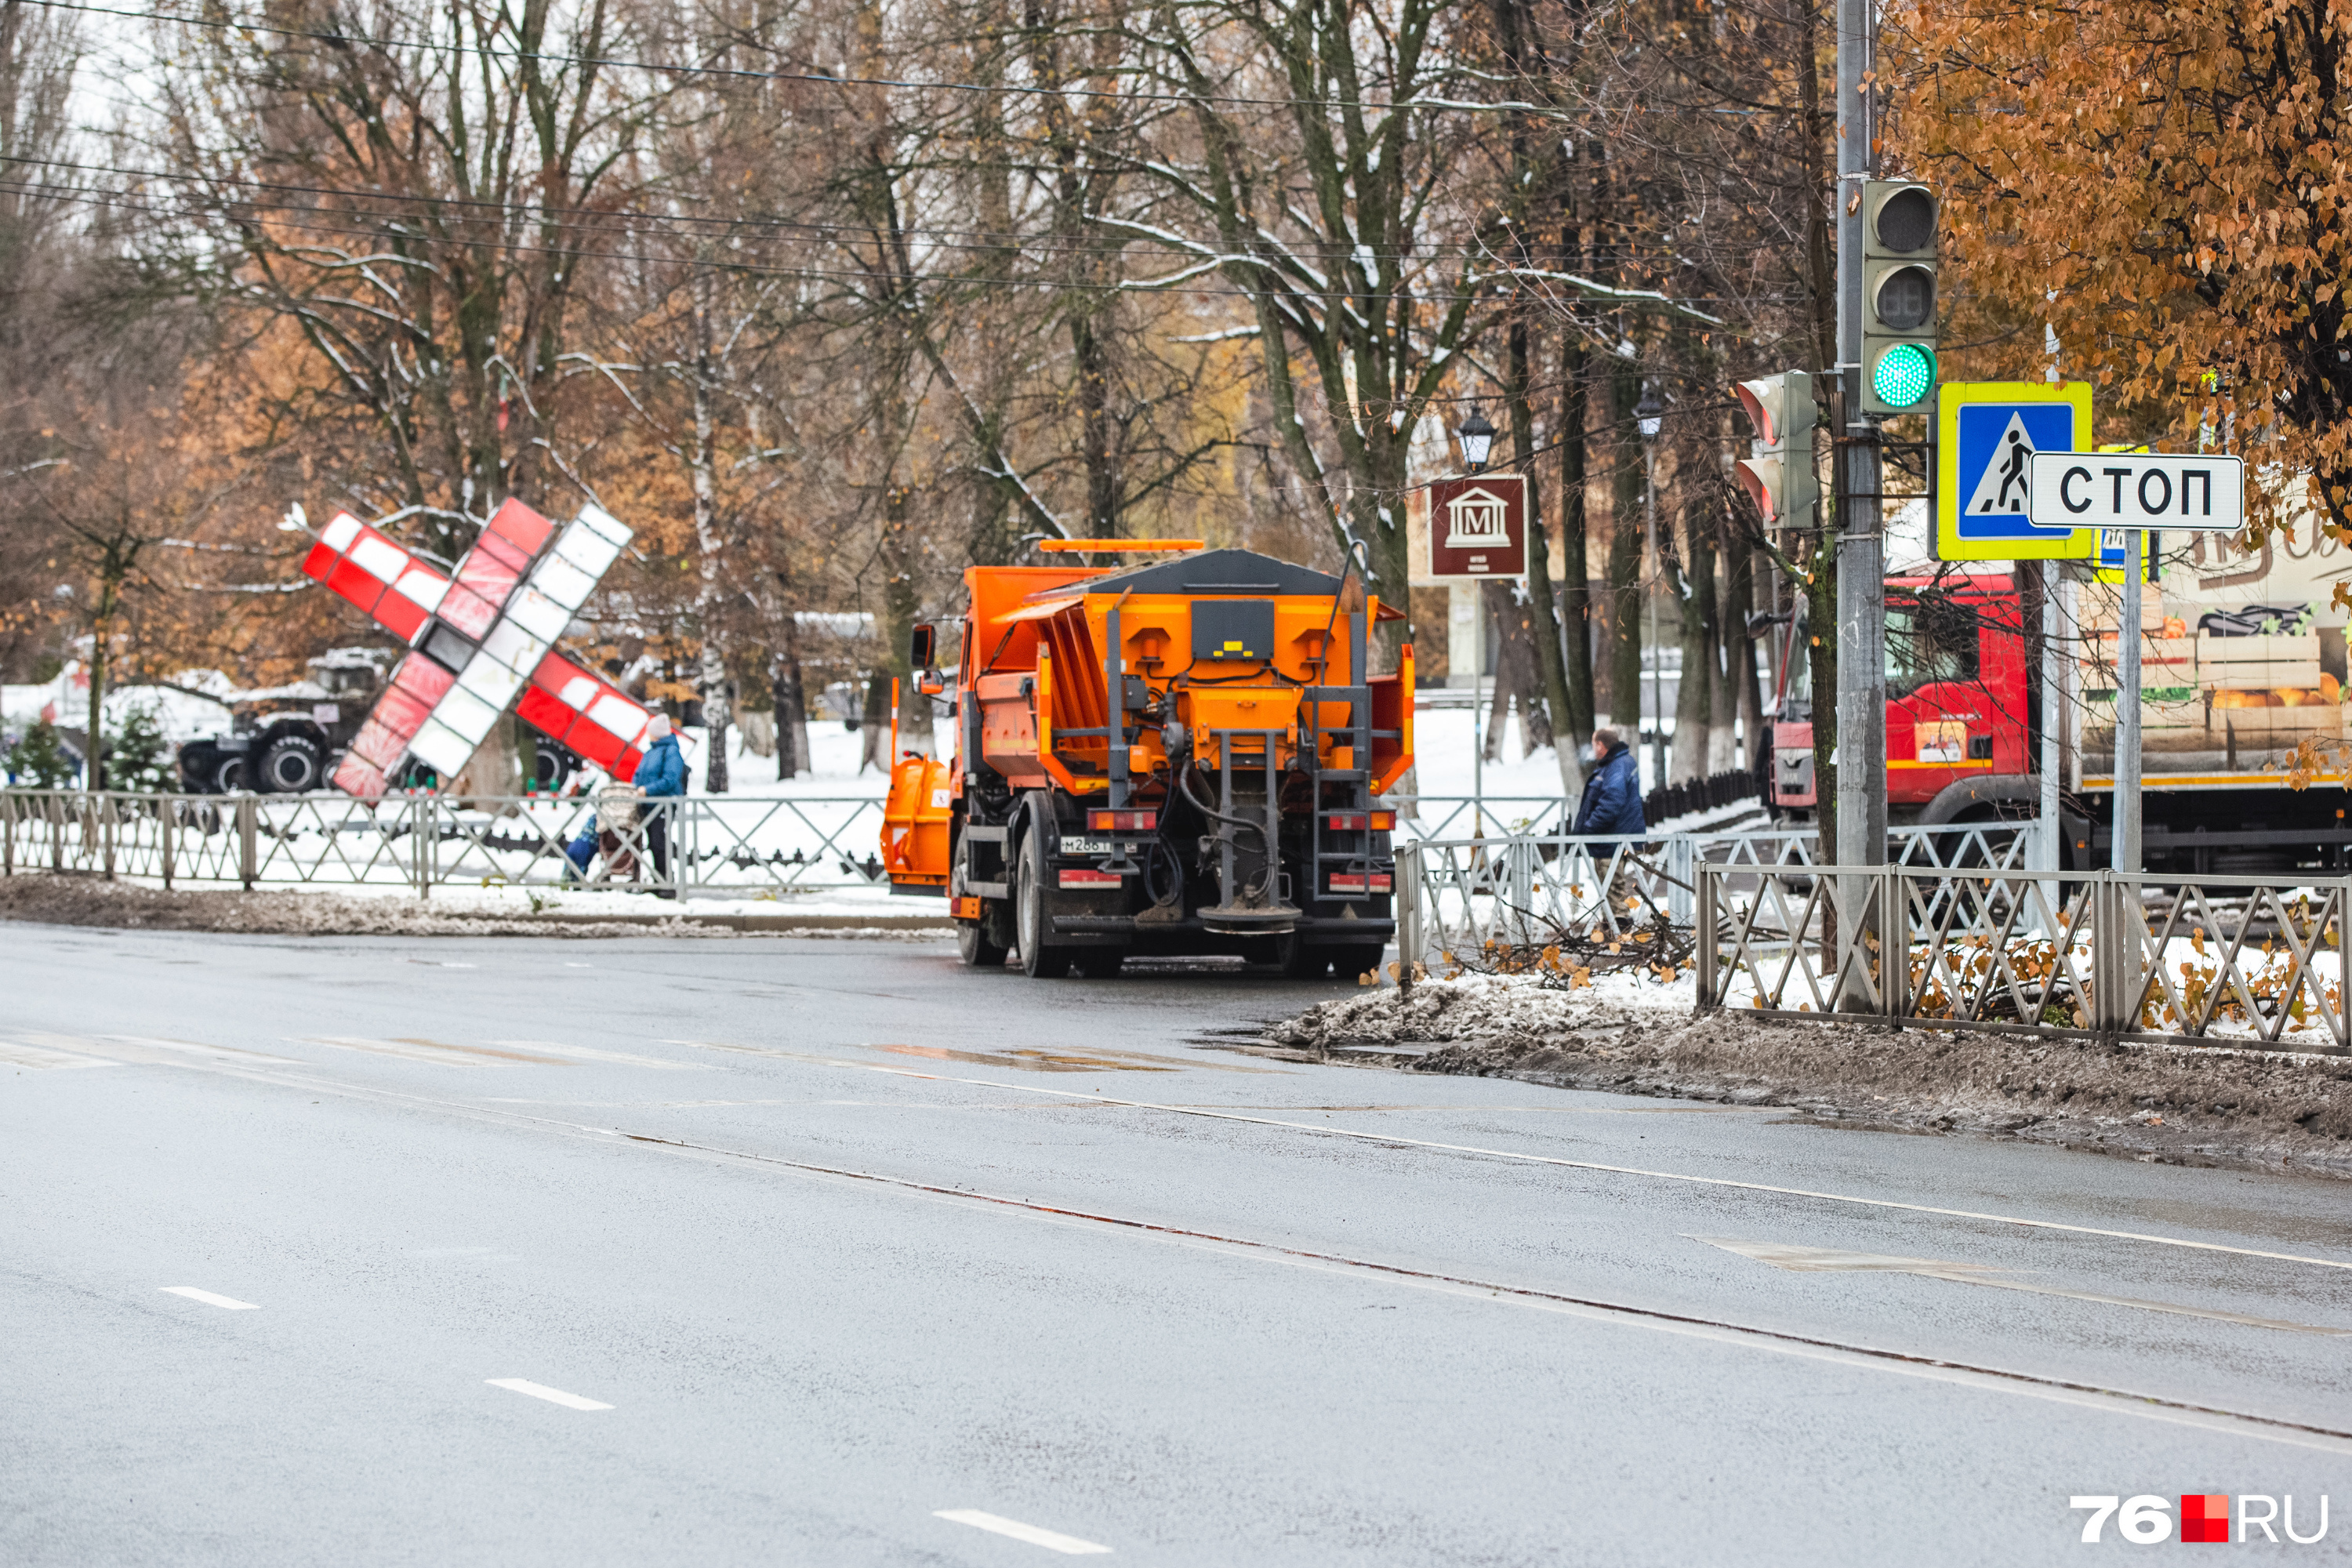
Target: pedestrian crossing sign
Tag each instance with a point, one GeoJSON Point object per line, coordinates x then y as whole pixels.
{"type": "Point", "coordinates": [1986, 435]}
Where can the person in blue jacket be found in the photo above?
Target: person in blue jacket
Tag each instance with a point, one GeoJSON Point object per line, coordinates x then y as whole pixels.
{"type": "Point", "coordinates": [660, 777]}
{"type": "Point", "coordinates": [1611, 807]}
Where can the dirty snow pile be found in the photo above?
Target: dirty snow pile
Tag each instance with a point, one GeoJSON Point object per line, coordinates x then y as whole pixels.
{"type": "Point", "coordinates": [2176, 1104]}
{"type": "Point", "coordinates": [1498, 1007]}
{"type": "Point", "coordinates": [87, 901]}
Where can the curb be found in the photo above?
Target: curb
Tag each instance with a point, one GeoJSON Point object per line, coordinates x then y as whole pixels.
{"type": "Point", "coordinates": [750, 922]}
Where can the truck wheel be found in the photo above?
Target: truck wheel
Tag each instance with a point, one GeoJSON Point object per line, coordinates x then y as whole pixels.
{"type": "Point", "coordinates": [971, 936]}
{"type": "Point", "coordinates": [1039, 961]}
{"type": "Point", "coordinates": [1357, 958]}
{"type": "Point", "coordinates": [292, 765]}
{"type": "Point", "coordinates": [228, 776]}
{"type": "Point", "coordinates": [1300, 962]}
{"type": "Point", "coordinates": [1098, 962]}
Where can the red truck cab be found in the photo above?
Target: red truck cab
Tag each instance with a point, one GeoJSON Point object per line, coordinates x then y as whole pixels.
{"type": "Point", "coordinates": [1956, 745]}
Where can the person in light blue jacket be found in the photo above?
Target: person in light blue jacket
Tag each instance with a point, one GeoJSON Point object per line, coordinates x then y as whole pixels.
{"type": "Point", "coordinates": [661, 776]}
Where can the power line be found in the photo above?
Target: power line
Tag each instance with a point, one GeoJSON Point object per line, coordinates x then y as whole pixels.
{"type": "Point", "coordinates": [826, 78]}
{"type": "Point", "coordinates": [1141, 285]}
{"type": "Point", "coordinates": [971, 240]}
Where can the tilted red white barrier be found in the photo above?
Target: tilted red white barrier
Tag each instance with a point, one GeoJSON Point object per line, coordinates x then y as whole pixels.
{"type": "Point", "coordinates": [480, 642]}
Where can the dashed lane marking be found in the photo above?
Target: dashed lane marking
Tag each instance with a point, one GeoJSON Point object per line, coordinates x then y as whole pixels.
{"type": "Point", "coordinates": [540, 1391]}
{"type": "Point", "coordinates": [621, 1059]}
{"type": "Point", "coordinates": [229, 1303]}
{"type": "Point", "coordinates": [437, 1052]}
{"type": "Point", "coordinates": [42, 1058]}
{"type": "Point", "coordinates": [1051, 1539]}
{"type": "Point", "coordinates": [2059, 1390]}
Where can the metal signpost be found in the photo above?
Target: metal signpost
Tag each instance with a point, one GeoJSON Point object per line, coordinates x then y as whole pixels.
{"type": "Point", "coordinates": [1478, 530]}
{"type": "Point", "coordinates": [2135, 493]}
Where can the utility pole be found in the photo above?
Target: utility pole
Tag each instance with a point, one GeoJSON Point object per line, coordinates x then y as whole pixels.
{"type": "Point", "coordinates": [2129, 607]}
{"type": "Point", "coordinates": [1861, 547]}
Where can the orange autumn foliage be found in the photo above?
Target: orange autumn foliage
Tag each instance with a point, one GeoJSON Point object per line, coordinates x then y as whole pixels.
{"type": "Point", "coordinates": [2169, 186]}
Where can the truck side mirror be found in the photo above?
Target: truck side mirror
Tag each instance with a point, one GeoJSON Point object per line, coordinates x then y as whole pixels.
{"type": "Point", "coordinates": [921, 644]}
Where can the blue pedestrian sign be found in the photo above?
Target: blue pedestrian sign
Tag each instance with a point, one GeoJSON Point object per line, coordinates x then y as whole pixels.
{"type": "Point", "coordinates": [1987, 434]}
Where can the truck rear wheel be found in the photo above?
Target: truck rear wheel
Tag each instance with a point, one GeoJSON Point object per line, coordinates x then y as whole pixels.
{"type": "Point", "coordinates": [1300, 962]}
{"type": "Point", "coordinates": [972, 942]}
{"type": "Point", "coordinates": [1039, 958]}
{"type": "Point", "coordinates": [1357, 958]}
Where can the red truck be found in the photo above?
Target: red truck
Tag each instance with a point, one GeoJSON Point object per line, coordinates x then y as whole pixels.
{"type": "Point", "coordinates": [2242, 672]}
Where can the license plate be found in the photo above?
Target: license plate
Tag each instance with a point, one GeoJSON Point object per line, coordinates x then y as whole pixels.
{"type": "Point", "coordinates": [1074, 845]}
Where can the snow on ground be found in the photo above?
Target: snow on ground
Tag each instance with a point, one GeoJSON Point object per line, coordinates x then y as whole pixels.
{"type": "Point", "coordinates": [1443, 737]}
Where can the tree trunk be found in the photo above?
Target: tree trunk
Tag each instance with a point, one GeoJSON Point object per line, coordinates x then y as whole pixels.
{"type": "Point", "coordinates": [1740, 645]}
{"type": "Point", "coordinates": [900, 605]}
{"type": "Point", "coordinates": [1576, 570]}
{"type": "Point", "coordinates": [873, 730]}
{"type": "Point", "coordinates": [1626, 585]}
{"type": "Point", "coordinates": [1722, 700]}
{"type": "Point", "coordinates": [1694, 582]}
{"type": "Point", "coordinates": [791, 693]}
{"type": "Point", "coordinates": [712, 681]}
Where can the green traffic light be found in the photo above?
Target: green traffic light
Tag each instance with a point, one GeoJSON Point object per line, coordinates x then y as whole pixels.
{"type": "Point", "coordinates": [1904, 375]}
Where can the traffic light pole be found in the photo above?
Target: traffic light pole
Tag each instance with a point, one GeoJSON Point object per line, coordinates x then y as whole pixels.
{"type": "Point", "coordinates": [1861, 546]}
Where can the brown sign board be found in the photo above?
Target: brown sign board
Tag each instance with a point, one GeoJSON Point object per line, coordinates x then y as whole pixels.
{"type": "Point", "coordinates": [1478, 526]}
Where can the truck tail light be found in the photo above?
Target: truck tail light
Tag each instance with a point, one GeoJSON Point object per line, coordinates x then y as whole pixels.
{"type": "Point", "coordinates": [1358, 821]}
{"type": "Point", "coordinates": [1347, 882]}
{"type": "Point", "coordinates": [1122, 822]}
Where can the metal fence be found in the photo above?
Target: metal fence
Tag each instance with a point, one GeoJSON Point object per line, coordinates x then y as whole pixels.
{"type": "Point", "coordinates": [2102, 954]}
{"type": "Point", "coordinates": [1458, 895]}
{"type": "Point", "coordinates": [743, 846]}
{"type": "Point", "coordinates": [716, 845]}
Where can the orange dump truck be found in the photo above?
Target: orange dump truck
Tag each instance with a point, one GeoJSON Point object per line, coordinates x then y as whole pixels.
{"type": "Point", "coordinates": [1180, 757]}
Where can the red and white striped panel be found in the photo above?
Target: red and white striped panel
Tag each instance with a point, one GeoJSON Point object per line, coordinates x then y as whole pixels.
{"type": "Point", "coordinates": [587, 713]}
{"type": "Point", "coordinates": [416, 688]}
{"type": "Point", "coordinates": [365, 566]}
{"type": "Point", "coordinates": [491, 570]}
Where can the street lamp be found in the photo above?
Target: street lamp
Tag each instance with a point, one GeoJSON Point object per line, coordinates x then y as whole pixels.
{"type": "Point", "coordinates": [1477, 438]}
{"type": "Point", "coordinates": [1649, 418]}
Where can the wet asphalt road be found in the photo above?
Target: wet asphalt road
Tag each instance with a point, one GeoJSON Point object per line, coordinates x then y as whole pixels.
{"type": "Point", "coordinates": [843, 1240]}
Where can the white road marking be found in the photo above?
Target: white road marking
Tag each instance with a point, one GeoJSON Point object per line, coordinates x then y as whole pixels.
{"type": "Point", "coordinates": [585, 1053]}
{"type": "Point", "coordinates": [209, 1300]}
{"type": "Point", "coordinates": [43, 1058]}
{"type": "Point", "coordinates": [1095, 1097]}
{"type": "Point", "coordinates": [1823, 1259]}
{"type": "Point", "coordinates": [1051, 1541]}
{"type": "Point", "coordinates": [540, 1391]}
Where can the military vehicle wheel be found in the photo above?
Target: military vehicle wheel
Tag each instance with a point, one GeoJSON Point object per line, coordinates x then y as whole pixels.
{"type": "Point", "coordinates": [228, 776]}
{"type": "Point", "coordinates": [292, 764]}
{"type": "Point", "coordinates": [1039, 961]}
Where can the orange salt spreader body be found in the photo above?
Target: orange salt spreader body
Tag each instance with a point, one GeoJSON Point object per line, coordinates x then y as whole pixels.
{"type": "Point", "coordinates": [1179, 757]}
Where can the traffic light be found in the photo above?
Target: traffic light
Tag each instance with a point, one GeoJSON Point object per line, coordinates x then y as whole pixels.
{"type": "Point", "coordinates": [1781, 477]}
{"type": "Point", "coordinates": [1900, 219]}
